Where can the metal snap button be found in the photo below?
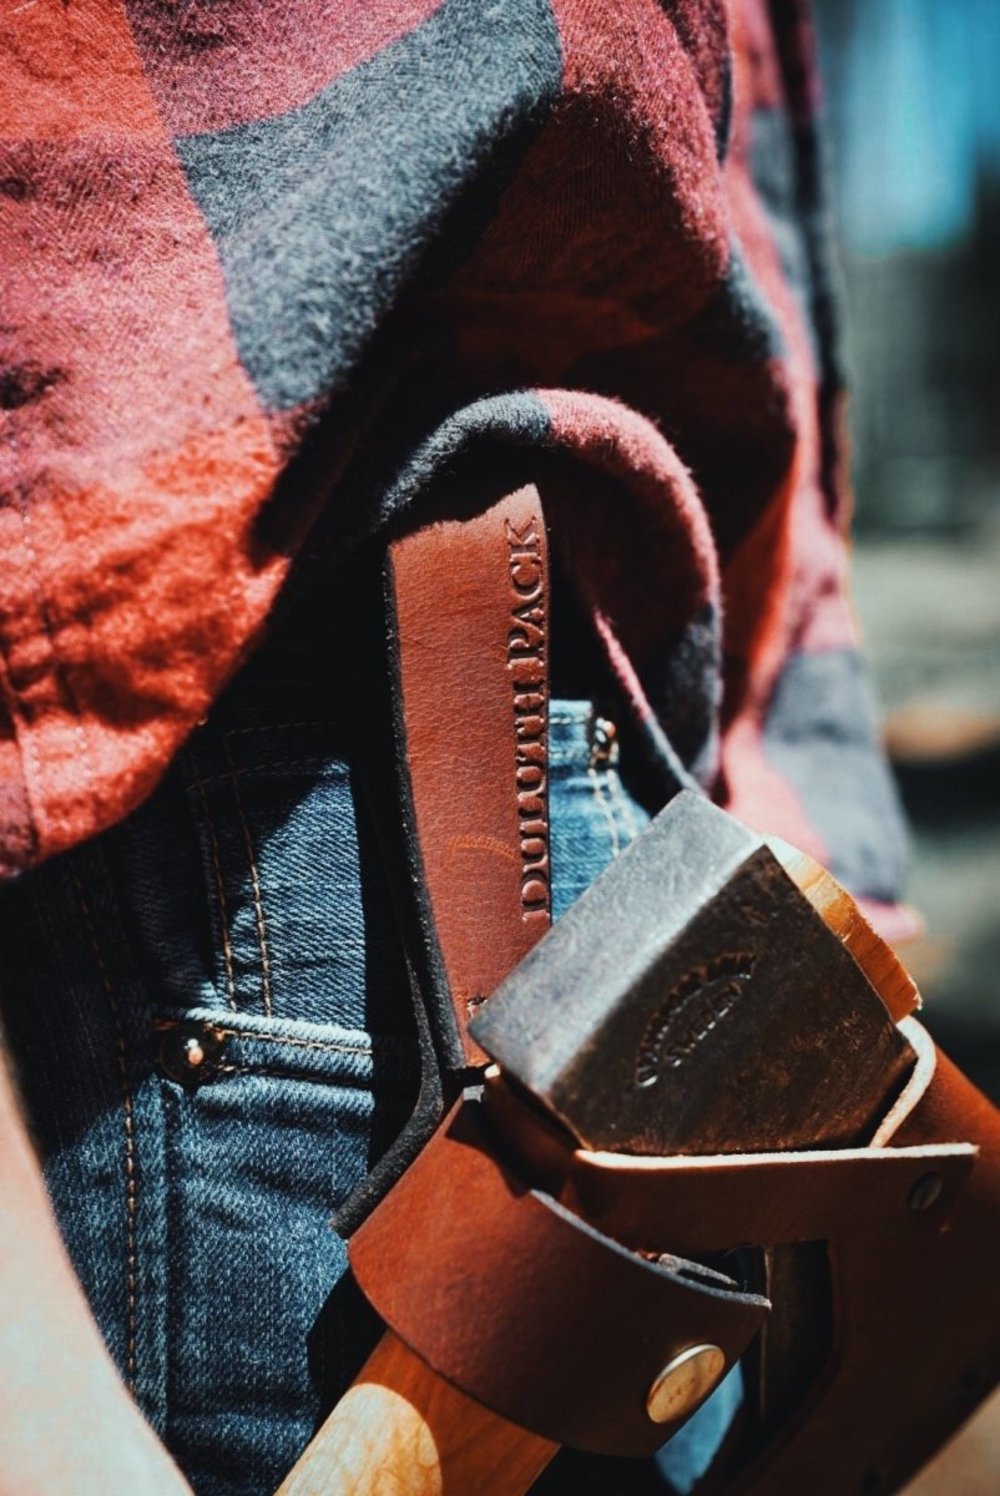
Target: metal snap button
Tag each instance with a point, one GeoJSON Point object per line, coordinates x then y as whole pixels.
{"type": "Point", "coordinates": [603, 742]}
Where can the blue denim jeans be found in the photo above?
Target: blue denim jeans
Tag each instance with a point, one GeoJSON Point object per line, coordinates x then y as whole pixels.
{"type": "Point", "coordinates": [210, 1020]}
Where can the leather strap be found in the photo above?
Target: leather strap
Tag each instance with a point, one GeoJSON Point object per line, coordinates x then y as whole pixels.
{"type": "Point", "coordinates": [912, 1229]}
{"type": "Point", "coordinates": [706, 1204]}
{"type": "Point", "coordinates": [471, 640]}
{"type": "Point", "coordinates": [451, 682]}
{"type": "Point", "coordinates": [917, 1340]}
{"type": "Point", "coordinates": [526, 1307]}
{"type": "Point", "coordinates": [911, 1224]}
{"type": "Point", "coordinates": [469, 608]}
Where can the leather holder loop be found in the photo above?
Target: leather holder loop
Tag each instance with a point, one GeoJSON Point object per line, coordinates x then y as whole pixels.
{"type": "Point", "coordinates": [913, 1231]}
{"type": "Point", "coordinates": [451, 682]}
{"type": "Point", "coordinates": [533, 1312]}
{"type": "Point", "coordinates": [916, 1316]}
{"type": "Point", "coordinates": [911, 1226]}
{"type": "Point", "coordinates": [487, 1279]}
{"type": "Point", "coordinates": [713, 1204]}
{"type": "Point", "coordinates": [471, 605]}
{"type": "Point", "coordinates": [707, 1204]}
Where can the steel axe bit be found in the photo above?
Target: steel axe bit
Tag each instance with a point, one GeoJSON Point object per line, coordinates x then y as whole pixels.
{"type": "Point", "coordinates": [692, 1001]}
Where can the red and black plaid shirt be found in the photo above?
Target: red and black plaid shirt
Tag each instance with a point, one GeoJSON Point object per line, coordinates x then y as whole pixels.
{"type": "Point", "coordinates": [272, 271]}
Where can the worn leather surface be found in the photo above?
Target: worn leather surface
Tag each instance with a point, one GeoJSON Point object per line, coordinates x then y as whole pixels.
{"type": "Point", "coordinates": [453, 692]}
{"type": "Point", "coordinates": [529, 1315]}
{"type": "Point", "coordinates": [503, 1289]}
{"type": "Point", "coordinates": [471, 631]}
{"type": "Point", "coordinates": [708, 1204]}
{"type": "Point", "coordinates": [917, 1321]}
{"type": "Point", "coordinates": [529, 1309]}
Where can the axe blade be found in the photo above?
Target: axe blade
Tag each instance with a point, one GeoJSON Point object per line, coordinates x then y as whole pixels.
{"type": "Point", "coordinates": [693, 1001]}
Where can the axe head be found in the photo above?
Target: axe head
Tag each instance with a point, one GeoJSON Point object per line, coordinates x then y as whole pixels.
{"type": "Point", "coordinates": [693, 1001]}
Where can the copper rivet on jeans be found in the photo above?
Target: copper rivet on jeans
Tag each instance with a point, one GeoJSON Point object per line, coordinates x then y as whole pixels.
{"type": "Point", "coordinates": [603, 742]}
{"type": "Point", "coordinates": [189, 1052]}
{"type": "Point", "coordinates": [194, 1052]}
{"type": "Point", "coordinates": [683, 1383]}
{"type": "Point", "coordinates": [926, 1192]}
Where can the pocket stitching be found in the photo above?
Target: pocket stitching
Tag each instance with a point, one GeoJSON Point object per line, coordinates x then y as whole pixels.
{"type": "Point", "coordinates": [220, 889]}
{"type": "Point", "coordinates": [255, 887]}
{"type": "Point", "coordinates": [328, 1046]}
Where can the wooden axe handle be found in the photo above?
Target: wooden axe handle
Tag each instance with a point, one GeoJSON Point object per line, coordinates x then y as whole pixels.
{"type": "Point", "coordinates": [401, 1430]}
{"type": "Point", "coordinates": [840, 913]}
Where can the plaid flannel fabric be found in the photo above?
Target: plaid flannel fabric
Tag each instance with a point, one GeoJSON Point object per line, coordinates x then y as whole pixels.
{"type": "Point", "coordinates": [273, 273]}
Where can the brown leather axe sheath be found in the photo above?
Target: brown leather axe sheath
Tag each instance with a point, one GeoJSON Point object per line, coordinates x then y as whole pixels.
{"type": "Point", "coordinates": [713, 1132]}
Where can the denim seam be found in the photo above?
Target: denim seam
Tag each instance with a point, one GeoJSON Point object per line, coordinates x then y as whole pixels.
{"type": "Point", "coordinates": [605, 808]}
{"type": "Point", "coordinates": [328, 1046]}
{"type": "Point", "coordinates": [287, 1073]}
{"type": "Point", "coordinates": [620, 800]}
{"type": "Point", "coordinates": [220, 889]}
{"type": "Point", "coordinates": [128, 1112]}
{"type": "Point", "coordinates": [258, 903]}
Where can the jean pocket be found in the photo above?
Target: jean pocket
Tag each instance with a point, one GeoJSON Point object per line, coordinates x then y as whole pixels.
{"type": "Point", "coordinates": [267, 1125]}
{"type": "Point", "coordinates": [202, 1046]}
{"type": "Point", "coordinates": [283, 1100]}
{"type": "Point", "coordinates": [256, 884]}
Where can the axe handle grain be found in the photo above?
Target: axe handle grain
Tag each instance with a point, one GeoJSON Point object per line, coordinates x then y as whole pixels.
{"type": "Point", "coordinates": [840, 913]}
{"type": "Point", "coordinates": [401, 1430]}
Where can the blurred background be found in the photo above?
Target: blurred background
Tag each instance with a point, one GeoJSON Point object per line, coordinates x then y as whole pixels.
{"type": "Point", "coordinates": [913, 116]}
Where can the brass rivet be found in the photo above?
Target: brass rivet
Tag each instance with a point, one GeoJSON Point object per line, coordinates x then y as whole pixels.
{"type": "Point", "coordinates": [926, 1192]}
{"type": "Point", "coordinates": [683, 1383]}
{"type": "Point", "coordinates": [194, 1052]}
{"type": "Point", "coordinates": [190, 1052]}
